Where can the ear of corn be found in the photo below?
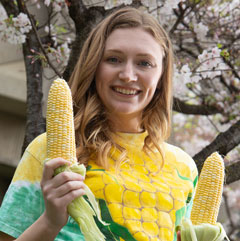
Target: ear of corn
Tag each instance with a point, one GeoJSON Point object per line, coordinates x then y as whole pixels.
{"type": "Point", "coordinates": [61, 143]}
{"type": "Point", "coordinates": [203, 225]}
{"type": "Point", "coordinates": [60, 126]}
{"type": "Point", "coordinates": [207, 200]}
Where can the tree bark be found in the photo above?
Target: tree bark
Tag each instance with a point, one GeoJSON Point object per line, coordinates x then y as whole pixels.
{"type": "Point", "coordinates": [35, 122]}
{"type": "Point", "coordinates": [84, 20]}
{"type": "Point", "coordinates": [223, 144]}
{"type": "Point", "coordinates": [182, 107]}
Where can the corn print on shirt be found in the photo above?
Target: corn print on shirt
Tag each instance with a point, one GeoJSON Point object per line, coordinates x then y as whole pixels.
{"type": "Point", "coordinates": [139, 200]}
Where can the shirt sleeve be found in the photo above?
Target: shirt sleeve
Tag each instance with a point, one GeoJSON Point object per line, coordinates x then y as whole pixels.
{"type": "Point", "coordinates": [23, 202]}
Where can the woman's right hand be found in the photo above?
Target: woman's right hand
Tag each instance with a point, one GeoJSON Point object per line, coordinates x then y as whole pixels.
{"type": "Point", "coordinates": [59, 191]}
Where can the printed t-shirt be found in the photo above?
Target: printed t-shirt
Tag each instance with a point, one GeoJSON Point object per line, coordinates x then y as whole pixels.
{"type": "Point", "coordinates": [138, 199]}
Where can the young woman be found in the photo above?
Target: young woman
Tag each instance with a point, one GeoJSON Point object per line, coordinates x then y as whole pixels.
{"type": "Point", "coordinates": [122, 96]}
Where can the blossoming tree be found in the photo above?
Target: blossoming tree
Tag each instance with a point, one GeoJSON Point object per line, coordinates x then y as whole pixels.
{"type": "Point", "coordinates": [206, 39]}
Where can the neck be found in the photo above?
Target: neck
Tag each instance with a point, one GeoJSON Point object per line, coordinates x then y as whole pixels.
{"type": "Point", "coordinates": [125, 124]}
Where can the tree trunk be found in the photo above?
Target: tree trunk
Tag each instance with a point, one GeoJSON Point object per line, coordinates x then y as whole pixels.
{"type": "Point", "coordinates": [35, 122]}
{"type": "Point", "coordinates": [84, 20]}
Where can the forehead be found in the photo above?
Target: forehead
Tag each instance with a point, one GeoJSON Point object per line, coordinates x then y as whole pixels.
{"type": "Point", "coordinates": [133, 39]}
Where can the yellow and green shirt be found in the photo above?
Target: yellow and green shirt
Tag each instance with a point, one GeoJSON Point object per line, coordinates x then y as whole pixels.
{"type": "Point", "coordinates": [138, 200]}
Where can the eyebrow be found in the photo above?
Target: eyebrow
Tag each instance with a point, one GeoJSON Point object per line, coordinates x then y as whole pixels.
{"type": "Point", "coordinates": [120, 52]}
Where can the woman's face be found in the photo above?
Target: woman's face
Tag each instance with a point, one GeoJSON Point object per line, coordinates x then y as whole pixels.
{"type": "Point", "coordinates": [129, 72]}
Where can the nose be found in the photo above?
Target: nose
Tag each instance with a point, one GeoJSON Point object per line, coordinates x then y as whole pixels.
{"type": "Point", "coordinates": [128, 73]}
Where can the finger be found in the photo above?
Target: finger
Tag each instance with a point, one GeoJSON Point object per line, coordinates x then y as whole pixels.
{"type": "Point", "coordinates": [69, 197]}
{"type": "Point", "coordinates": [51, 165]}
{"type": "Point", "coordinates": [68, 187]}
{"type": "Point", "coordinates": [64, 177]}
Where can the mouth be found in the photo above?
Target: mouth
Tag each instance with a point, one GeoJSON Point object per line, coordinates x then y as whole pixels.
{"type": "Point", "coordinates": [125, 91]}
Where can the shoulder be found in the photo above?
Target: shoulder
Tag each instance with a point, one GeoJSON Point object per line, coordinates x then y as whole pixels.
{"type": "Point", "coordinates": [38, 147]}
{"type": "Point", "coordinates": [31, 164]}
{"type": "Point", "coordinates": [181, 157]}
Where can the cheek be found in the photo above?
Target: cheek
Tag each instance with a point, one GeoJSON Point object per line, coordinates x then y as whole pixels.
{"type": "Point", "coordinates": [151, 83]}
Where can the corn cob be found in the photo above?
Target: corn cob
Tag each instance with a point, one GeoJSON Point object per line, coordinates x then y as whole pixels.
{"type": "Point", "coordinates": [61, 143]}
{"type": "Point", "coordinates": [203, 225]}
{"type": "Point", "coordinates": [60, 126]}
{"type": "Point", "coordinates": [208, 195]}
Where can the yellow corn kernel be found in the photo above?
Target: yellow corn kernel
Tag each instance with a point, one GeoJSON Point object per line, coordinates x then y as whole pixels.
{"type": "Point", "coordinates": [60, 126]}
{"type": "Point", "coordinates": [208, 195]}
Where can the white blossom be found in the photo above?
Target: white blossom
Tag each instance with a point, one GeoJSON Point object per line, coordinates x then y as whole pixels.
{"type": "Point", "coordinates": [196, 79]}
{"type": "Point", "coordinates": [47, 2]}
{"type": "Point", "coordinates": [109, 4]}
{"type": "Point", "coordinates": [58, 5]}
{"type": "Point", "coordinates": [22, 22]}
{"type": "Point", "coordinates": [186, 74]}
{"type": "Point", "coordinates": [201, 30]}
{"type": "Point", "coordinates": [211, 63]}
{"type": "Point", "coordinates": [61, 53]}
{"type": "Point", "coordinates": [49, 28]}
{"type": "Point", "coordinates": [173, 3]}
{"type": "Point", "coordinates": [181, 77]}
{"type": "Point", "coordinates": [14, 30]}
{"type": "Point", "coordinates": [3, 14]}
{"type": "Point", "coordinates": [166, 9]}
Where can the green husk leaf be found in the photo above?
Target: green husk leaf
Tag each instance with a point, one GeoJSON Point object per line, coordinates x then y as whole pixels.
{"type": "Point", "coordinates": [94, 204]}
{"type": "Point", "coordinates": [203, 232]}
{"type": "Point", "coordinates": [81, 211]}
{"type": "Point", "coordinates": [85, 219]}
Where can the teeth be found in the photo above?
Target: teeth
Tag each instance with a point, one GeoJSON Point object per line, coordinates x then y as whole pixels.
{"type": "Point", "coordinates": [125, 91]}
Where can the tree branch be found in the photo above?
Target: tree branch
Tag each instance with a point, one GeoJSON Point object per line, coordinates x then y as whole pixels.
{"type": "Point", "coordinates": [232, 172]}
{"type": "Point", "coordinates": [179, 19]}
{"type": "Point", "coordinates": [40, 43]}
{"type": "Point", "coordinates": [223, 144]}
{"type": "Point", "coordinates": [182, 107]}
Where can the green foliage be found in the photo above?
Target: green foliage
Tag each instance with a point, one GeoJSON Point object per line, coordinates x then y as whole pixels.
{"type": "Point", "coordinates": [60, 29]}
{"type": "Point", "coordinates": [225, 54]}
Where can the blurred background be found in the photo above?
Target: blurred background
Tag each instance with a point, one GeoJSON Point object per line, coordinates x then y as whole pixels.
{"type": "Point", "coordinates": [41, 39]}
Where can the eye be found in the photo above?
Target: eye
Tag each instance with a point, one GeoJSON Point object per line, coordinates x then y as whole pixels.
{"type": "Point", "coordinates": [113, 60]}
{"type": "Point", "coordinates": [145, 63]}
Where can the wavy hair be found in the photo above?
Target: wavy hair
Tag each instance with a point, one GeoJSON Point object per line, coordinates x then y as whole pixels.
{"type": "Point", "coordinates": [93, 134]}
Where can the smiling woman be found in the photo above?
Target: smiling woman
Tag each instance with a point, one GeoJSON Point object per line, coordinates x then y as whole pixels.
{"type": "Point", "coordinates": [121, 89]}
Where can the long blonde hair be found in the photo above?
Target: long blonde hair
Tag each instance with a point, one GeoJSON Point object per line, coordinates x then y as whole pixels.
{"type": "Point", "coordinates": [93, 135]}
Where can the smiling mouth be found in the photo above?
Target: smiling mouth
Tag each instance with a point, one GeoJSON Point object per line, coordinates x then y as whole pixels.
{"type": "Point", "coordinates": [125, 91]}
